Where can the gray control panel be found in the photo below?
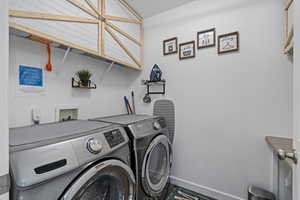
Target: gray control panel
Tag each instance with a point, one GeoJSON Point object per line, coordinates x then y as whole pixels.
{"type": "Point", "coordinates": [114, 137]}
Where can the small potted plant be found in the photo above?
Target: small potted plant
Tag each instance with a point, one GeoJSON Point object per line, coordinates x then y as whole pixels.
{"type": "Point", "coordinates": [84, 76]}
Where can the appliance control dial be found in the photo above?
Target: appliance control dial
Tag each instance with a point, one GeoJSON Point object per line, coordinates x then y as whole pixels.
{"type": "Point", "coordinates": [94, 146]}
{"type": "Point", "coordinates": [156, 125]}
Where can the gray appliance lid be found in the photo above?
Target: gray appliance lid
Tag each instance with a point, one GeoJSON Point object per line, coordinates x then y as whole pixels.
{"type": "Point", "coordinates": [124, 119]}
{"type": "Point", "coordinates": [39, 133]}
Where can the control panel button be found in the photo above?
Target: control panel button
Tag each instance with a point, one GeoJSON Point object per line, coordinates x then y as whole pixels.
{"type": "Point", "coordinates": [162, 122]}
{"type": "Point", "coordinates": [156, 125]}
{"type": "Point", "coordinates": [94, 146]}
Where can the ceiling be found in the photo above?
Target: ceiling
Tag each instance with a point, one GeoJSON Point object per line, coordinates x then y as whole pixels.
{"type": "Point", "coordinates": [149, 8]}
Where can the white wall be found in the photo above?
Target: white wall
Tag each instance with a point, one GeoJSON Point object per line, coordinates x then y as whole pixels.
{"type": "Point", "coordinates": [4, 197]}
{"type": "Point", "coordinates": [107, 99]}
{"type": "Point", "coordinates": [225, 105]}
{"type": "Point", "coordinates": [3, 92]}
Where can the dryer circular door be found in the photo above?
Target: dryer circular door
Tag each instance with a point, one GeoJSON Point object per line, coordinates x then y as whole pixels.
{"type": "Point", "coordinates": [156, 166]}
{"type": "Point", "coordinates": [112, 180]}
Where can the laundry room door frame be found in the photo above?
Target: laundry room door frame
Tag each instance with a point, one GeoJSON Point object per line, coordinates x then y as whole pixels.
{"type": "Point", "coordinates": [296, 100]}
{"type": "Point", "coordinates": [4, 178]}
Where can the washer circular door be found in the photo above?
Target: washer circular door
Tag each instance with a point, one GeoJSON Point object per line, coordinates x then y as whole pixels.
{"type": "Point", "coordinates": [156, 166]}
{"type": "Point", "coordinates": [109, 180]}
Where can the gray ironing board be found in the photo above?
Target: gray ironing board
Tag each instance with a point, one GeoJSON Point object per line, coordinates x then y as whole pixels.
{"type": "Point", "coordinates": [166, 109]}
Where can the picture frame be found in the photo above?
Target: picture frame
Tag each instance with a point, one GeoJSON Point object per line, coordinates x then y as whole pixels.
{"type": "Point", "coordinates": [228, 42]}
{"type": "Point", "coordinates": [170, 46]}
{"type": "Point", "coordinates": [187, 50]}
{"type": "Point", "coordinates": [206, 38]}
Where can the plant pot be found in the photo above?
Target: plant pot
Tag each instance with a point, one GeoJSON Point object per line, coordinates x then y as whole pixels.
{"type": "Point", "coordinates": [85, 83]}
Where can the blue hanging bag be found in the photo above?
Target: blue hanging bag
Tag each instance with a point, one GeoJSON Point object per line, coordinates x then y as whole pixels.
{"type": "Point", "coordinates": [156, 73]}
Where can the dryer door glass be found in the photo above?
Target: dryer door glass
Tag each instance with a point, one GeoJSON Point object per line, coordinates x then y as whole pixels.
{"type": "Point", "coordinates": [156, 166]}
{"type": "Point", "coordinates": [111, 180]}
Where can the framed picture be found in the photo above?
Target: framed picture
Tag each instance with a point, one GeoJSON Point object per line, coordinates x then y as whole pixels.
{"type": "Point", "coordinates": [170, 46]}
{"type": "Point", "coordinates": [187, 50]}
{"type": "Point", "coordinates": [206, 38]}
{"type": "Point", "coordinates": [228, 42]}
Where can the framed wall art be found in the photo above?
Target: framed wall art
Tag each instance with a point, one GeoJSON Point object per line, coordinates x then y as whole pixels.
{"type": "Point", "coordinates": [187, 50]}
{"type": "Point", "coordinates": [206, 38]}
{"type": "Point", "coordinates": [228, 42]}
{"type": "Point", "coordinates": [170, 46]}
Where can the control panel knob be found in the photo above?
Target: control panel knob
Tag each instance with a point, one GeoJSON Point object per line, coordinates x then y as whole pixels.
{"type": "Point", "coordinates": [156, 126]}
{"type": "Point", "coordinates": [94, 146]}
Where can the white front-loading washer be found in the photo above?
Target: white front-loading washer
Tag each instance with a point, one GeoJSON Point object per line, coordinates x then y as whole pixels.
{"type": "Point", "coordinates": [75, 160]}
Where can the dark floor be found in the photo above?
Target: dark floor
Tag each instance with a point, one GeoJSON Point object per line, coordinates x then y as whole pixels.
{"type": "Point", "coordinates": [177, 191]}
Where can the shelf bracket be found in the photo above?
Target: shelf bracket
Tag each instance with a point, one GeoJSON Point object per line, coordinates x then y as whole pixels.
{"type": "Point", "coordinates": [66, 54]}
{"type": "Point", "coordinates": [106, 72]}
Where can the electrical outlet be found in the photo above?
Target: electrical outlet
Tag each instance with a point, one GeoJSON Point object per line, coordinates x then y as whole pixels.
{"type": "Point", "coordinates": [36, 115]}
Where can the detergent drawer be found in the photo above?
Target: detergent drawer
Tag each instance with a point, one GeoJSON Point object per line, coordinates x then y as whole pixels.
{"type": "Point", "coordinates": [33, 166]}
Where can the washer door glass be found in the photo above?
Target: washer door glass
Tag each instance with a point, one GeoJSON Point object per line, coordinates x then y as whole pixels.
{"type": "Point", "coordinates": [156, 167]}
{"type": "Point", "coordinates": [109, 186]}
{"type": "Point", "coordinates": [106, 181]}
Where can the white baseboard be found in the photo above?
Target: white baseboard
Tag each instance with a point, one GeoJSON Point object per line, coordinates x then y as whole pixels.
{"type": "Point", "coordinates": [203, 189]}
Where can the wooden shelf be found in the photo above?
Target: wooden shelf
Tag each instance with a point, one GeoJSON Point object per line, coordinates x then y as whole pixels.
{"type": "Point", "coordinates": [28, 33]}
{"type": "Point", "coordinates": [77, 84]}
{"type": "Point", "coordinates": [84, 87]}
{"type": "Point", "coordinates": [123, 47]}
